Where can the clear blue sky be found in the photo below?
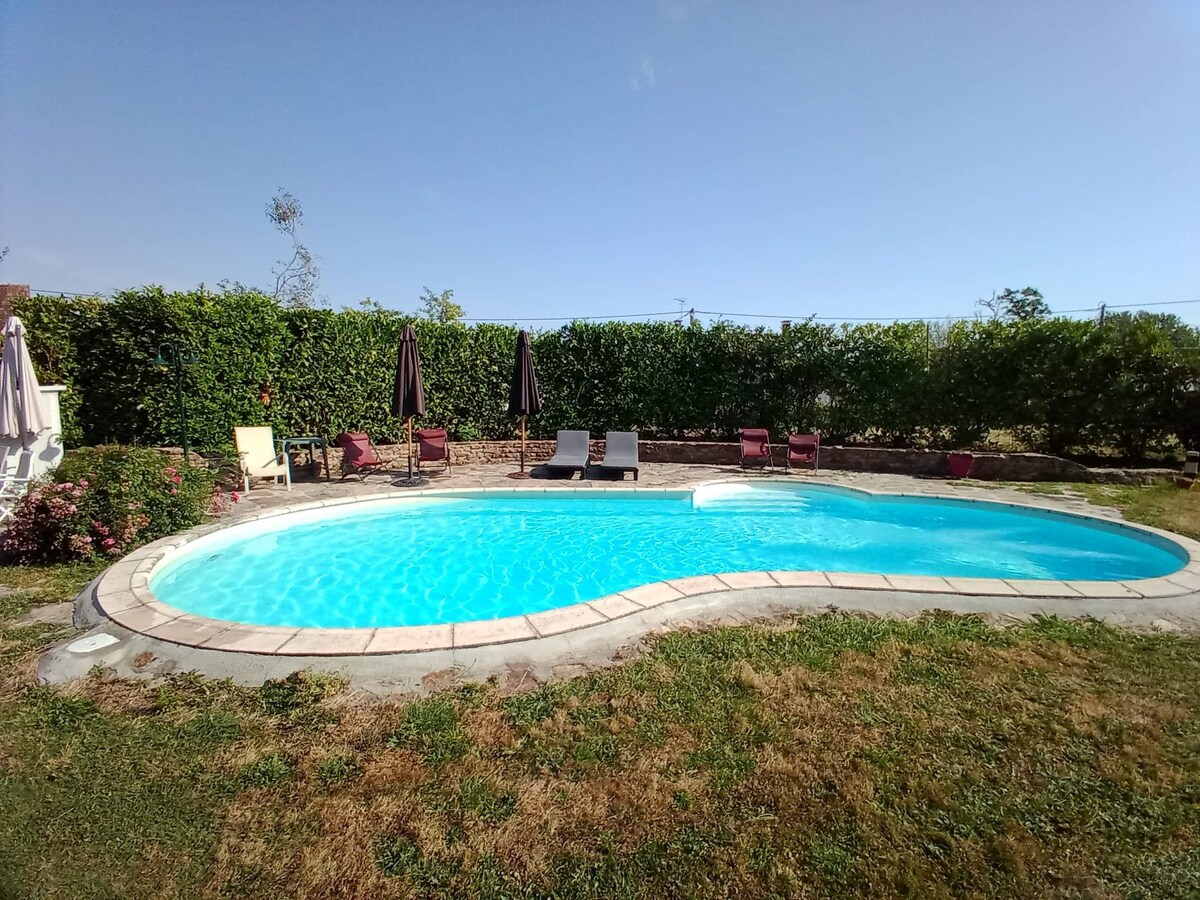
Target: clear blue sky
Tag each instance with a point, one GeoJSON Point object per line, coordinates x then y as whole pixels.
{"type": "Point", "coordinates": [567, 158]}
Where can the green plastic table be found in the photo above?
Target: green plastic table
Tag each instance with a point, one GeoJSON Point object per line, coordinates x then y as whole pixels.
{"type": "Point", "coordinates": [311, 442]}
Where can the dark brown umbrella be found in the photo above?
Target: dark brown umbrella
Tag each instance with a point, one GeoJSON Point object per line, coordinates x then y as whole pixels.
{"type": "Point", "coordinates": [524, 398]}
{"type": "Point", "coordinates": [408, 397]}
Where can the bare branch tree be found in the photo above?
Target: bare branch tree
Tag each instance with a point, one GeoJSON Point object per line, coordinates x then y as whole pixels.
{"type": "Point", "coordinates": [295, 279]}
{"type": "Point", "coordinates": [1015, 306]}
{"type": "Point", "coordinates": [992, 304]}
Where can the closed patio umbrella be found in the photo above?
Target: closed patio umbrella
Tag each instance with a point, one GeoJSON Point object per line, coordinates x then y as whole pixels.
{"type": "Point", "coordinates": [524, 397]}
{"type": "Point", "coordinates": [22, 415]}
{"type": "Point", "coordinates": [408, 397]}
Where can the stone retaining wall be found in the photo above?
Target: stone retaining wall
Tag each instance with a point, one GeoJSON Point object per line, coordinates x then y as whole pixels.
{"type": "Point", "coordinates": [930, 463]}
{"type": "Point", "coordinates": [926, 463]}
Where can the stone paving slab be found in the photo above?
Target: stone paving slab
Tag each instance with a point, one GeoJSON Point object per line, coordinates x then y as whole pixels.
{"type": "Point", "coordinates": [740, 580]}
{"type": "Point", "coordinates": [250, 639]}
{"type": "Point", "coordinates": [327, 642]}
{"type": "Point", "coordinates": [990, 587]}
{"type": "Point", "coordinates": [568, 618]}
{"type": "Point", "coordinates": [920, 583]}
{"type": "Point", "coordinates": [1036, 588]}
{"type": "Point", "coordinates": [801, 579]}
{"type": "Point", "coordinates": [493, 631]}
{"type": "Point", "coordinates": [652, 594]}
{"type": "Point", "coordinates": [863, 581]}
{"type": "Point", "coordinates": [411, 639]}
{"type": "Point", "coordinates": [614, 606]}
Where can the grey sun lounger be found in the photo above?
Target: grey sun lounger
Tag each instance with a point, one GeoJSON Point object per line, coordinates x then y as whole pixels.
{"type": "Point", "coordinates": [571, 452]}
{"type": "Point", "coordinates": [621, 452]}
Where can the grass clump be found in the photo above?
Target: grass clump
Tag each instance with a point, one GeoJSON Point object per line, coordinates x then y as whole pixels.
{"type": "Point", "coordinates": [431, 729]}
{"type": "Point", "coordinates": [299, 696]}
{"type": "Point", "coordinates": [265, 772]}
{"type": "Point", "coordinates": [334, 771]}
{"type": "Point", "coordinates": [480, 795]}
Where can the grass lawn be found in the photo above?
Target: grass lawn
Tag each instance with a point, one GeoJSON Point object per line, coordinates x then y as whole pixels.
{"type": "Point", "coordinates": [830, 756]}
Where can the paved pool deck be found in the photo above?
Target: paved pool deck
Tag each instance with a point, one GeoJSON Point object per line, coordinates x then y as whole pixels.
{"type": "Point", "coordinates": [133, 634]}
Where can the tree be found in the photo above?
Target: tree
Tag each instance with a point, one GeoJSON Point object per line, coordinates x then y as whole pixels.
{"type": "Point", "coordinates": [296, 279]}
{"type": "Point", "coordinates": [1014, 305]}
{"type": "Point", "coordinates": [440, 307]}
{"type": "Point", "coordinates": [1184, 336]}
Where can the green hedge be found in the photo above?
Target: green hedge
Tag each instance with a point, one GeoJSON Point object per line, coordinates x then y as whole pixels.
{"type": "Point", "coordinates": [1061, 385]}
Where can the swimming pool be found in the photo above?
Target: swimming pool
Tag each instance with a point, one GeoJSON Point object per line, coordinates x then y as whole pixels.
{"type": "Point", "coordinates": [465, 557]}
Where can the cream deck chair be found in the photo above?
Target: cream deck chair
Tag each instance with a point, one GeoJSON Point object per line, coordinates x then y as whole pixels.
{"type": "Point", "coordinates": [257, 457]}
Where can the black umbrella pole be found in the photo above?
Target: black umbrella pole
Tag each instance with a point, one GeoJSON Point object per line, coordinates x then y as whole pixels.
{"type": "Point", "coordinates": [409, 424]}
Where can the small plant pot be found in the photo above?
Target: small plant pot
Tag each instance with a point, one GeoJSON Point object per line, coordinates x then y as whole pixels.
{"type": "Point", "coordinates": [961, 464]}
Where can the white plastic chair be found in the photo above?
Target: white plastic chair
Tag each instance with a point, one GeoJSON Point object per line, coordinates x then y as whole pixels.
{"type": "Point", "coordinates": [257, 456]}
{"type": "Point", "coordinates": [14, 478]}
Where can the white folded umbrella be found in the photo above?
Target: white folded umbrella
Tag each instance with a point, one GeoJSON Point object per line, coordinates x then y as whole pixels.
{"type": "Point", "coordinates": [22, 415]}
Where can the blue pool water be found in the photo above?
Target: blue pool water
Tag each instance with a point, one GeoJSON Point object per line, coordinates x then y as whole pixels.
{"type": "Point", "coordinates": [455, 559]}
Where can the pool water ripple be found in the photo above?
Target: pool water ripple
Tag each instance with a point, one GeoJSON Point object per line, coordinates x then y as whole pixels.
{"type": "Point", "coordinates": [419, 561]}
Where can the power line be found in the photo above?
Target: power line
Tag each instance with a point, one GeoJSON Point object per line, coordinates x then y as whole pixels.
{"type": "Point", "coordinates": [465, 319]}
{"type": "Point", "coordinates": [1058, 312]}
{"type": "Point", "coordinates": [70, 293]}
{"type": "Point", "coordinates": [573, 318]}
{"type": "Point", "coordinates": [737, 315]}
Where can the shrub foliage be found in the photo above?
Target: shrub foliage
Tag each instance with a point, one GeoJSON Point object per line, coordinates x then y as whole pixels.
{"type": "Point", "coordinates": [104, 501]}
{"type": "Point", "coordinates": [1057, 384]}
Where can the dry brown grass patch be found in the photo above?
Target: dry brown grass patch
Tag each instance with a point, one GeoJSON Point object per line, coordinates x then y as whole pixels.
{"type": "Point", "coordinates": [488, 729]}
{"type": "Point", "coordinates": [113, 695]}
{"type": "Point", "coordinates": [390, 770]}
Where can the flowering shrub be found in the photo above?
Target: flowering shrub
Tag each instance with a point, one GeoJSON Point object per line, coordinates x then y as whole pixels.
{"type": "Point", "coordinates": [103, 501]}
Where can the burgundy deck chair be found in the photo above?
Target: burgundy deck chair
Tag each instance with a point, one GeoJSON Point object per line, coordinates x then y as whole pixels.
{"type": "Point", "coordinates": [803, 448]}
{"type": "Point", "coordinates": [756, 447]}
{"type": "Point", "coordinates": [358, 454]}
{"type": "Point", "coordinates": [432, 447]}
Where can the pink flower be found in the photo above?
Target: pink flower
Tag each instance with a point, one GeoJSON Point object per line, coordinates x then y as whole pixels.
{"type": "Point", "coordinates": [107, 542]}
{"type": "Point", "coordinates": [236, 497]}
{"type": "Point", "coordinates": [174, 492]}
{"type": "Point", "coordinates": [178, 479]}
{"type": "Point", "coordinates": [83, 482]}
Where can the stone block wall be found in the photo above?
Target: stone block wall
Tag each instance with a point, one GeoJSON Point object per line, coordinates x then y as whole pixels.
{"type": "Point", "coordinates": [930, 463]}
{"type": "Point", "coordinates": [920, 463]}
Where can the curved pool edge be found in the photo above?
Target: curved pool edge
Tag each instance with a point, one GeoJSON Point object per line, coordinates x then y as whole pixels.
{"type": "Point", "coordinates": [123, 594]}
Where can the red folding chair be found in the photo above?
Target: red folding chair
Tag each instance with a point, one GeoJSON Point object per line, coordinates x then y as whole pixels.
{"type": "Point", "coordinates": [803, 448]}
{"type": "Point", "coordinates": [756, 448]}
{"type": "Point", "coordinates": [432, 447]}
{"type": "Point", "coordinates": [359, 456]}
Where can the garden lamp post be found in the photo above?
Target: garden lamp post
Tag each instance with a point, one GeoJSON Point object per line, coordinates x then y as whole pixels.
{"type": "Point", "coordinates": [175, 360]}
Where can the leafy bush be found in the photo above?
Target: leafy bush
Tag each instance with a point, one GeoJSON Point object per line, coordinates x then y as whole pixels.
{"type": "Point", "coordinates": [104, 501]}
{"type": "Point", "coordinates": [1059, 385]}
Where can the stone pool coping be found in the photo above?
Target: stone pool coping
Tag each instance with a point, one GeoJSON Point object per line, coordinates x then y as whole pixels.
{"type": "Point", "coordinates": [123, 593]}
